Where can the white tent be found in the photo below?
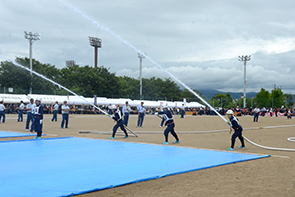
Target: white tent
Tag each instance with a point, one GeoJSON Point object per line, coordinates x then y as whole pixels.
{"type": "Point", "coordinates": [178, 104]}
{"type": "Point", "coordinates": [14, 98]}
{"type": "Point", "coordinates": [146, 103]}
{"type": "Point", "coordinates": [48, 99]}
{"type": "Point", "coordinates": [194, 104]}
{"type": "Point", "coordinates": [80, 100]}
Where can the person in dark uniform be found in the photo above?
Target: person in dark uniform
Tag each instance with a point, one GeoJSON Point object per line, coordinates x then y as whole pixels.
{"type": "Point", "coordinates": [38, 118]}
{"type": "Point", "coordinates": [234, 124]}
{"type": "Point", "coordinates": [163, 120]}
{"type": "Point", "coordinates": [167, 115]}
{"type": "Point", "coordinates": [120, 123]}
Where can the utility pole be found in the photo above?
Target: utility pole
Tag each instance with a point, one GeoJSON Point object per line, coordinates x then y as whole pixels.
{"type": "Point", "coordinates": [140, 56]}
{"type": "Point", "coordinates": [244, 59]}
{"type": "Point", "coordinates": [31, 37]}
{"type": "Point", "coordinates": [96, 43]}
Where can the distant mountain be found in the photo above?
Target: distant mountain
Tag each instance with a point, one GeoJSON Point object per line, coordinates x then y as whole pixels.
{"type": "Point", "coordinates": [209, 93]}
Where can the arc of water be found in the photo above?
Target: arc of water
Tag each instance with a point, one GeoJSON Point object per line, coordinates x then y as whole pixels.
{"type": "Point", "coordinates": [86, 17]}
{"type": "Point", "coordinates": [152, 61]}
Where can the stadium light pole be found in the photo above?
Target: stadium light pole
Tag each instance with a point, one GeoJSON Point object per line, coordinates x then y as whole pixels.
{"type": "Point", "coordinates": [140, 56]}
{"type": "Point", "coordinates": [70, 63]}
{"type": "Point", "coordinates": [244, 59]}
{"type": "Point", "coordinates": [96, 43]}
{"type": "Point", "coordinates": [31, 37]}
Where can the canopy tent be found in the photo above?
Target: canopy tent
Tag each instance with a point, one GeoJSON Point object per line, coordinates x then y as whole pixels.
{"type": "Point", "coordinates": [14, 98]}
{"type": "Point", "coordinates": [80, 100]}
{"type": "Point", "coordinates": [195, 105]}
{"type": "Point", "coordinates": [48, 99]}
{"type": "Point", "coordinates": [146, 103]}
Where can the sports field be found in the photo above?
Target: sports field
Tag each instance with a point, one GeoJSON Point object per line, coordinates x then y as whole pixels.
{"type": "Point", "coordinates": [272, 176]}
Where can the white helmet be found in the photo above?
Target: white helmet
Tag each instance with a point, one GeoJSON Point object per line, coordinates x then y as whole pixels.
{"type": "Point", "coordinates": [164, 106]}
{"type": "Point", "coordinates": [113, 107]}
{"type": "Point", "coordinates": [38, 99]}
{"type": "Point", "coordinates": [230, 112]}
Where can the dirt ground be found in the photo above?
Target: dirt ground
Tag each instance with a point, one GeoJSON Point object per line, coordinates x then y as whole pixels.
{"type": "Point", "coordinates": [272, 176]}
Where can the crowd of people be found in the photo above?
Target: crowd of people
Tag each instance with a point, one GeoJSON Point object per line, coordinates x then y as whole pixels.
{"type": "Point", "coordinates": [241, 112]}
{"type": "Point", "coordinates": [89, 109]}
{"type": "Point", "coordinates": [120, 114]}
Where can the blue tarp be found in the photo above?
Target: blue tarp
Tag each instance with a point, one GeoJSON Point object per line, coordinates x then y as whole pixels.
{"type": "Point", "coordinates": [68, 166]}
{"type": "Point", "coordinates": [5, 134]}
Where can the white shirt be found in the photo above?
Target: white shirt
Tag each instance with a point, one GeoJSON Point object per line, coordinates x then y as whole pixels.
{"type": "Point", "coordinates": [2, 108]}
{"type": "Point", "coordinates": [256, 110]}
{"type": "Point", "coordinates": [141, 109]}
{"type": "Point", "coordinates": [64, 107]}
{"type": "Point", "coordinates": [22, 106]}
{"type": "Point", "coordinates": [55, 107]}
{"type": "Point", "coordinates": [29, 107]}
{"type": "Point", "coordinates": [33, 107]}
{"type": "Point", "coordinates": [126, 109]}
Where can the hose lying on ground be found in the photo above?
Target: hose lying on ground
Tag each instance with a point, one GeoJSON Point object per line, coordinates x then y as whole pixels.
{"type": "Point", "coordinates": [271, 148]}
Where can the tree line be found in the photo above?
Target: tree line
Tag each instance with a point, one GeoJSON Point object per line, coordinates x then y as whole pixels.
{"type": "Point", "coordinates": [274, 99]}
{"type": "Point", "coordinates": [88, 81]}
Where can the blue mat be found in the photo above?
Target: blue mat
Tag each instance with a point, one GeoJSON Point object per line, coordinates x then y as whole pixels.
{"type": "Point", "coordinates": [68, 166]}
{"type": "Point", "coordinates": [5, 134]}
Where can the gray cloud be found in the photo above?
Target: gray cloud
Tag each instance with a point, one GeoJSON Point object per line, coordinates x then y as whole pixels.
{"type": "Point", "coordinates": [197, 41]}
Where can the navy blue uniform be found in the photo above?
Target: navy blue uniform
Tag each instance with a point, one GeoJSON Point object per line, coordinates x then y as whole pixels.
{"type": "Point", "coordinates": [120, 123]}
{"type": "Point", "coordinates": [167, 115]}
{"type": "Point", "coordinates": [38, 119]}
{"type": "Point", "coordinates": [238, 131]}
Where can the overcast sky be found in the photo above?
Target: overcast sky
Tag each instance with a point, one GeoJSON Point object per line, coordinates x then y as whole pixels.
{"type": "Point", "coordinates": [197, 41]}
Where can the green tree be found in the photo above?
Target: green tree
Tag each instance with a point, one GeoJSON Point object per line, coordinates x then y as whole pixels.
{"type": "Point", "coordinates": [88, 81]}
{"type": "Point", "coordinates": [14, 77]}
{"type": "Point", "coordinates": [190, 97]}
{"type": "Point", "coordinates": [129, 87]}
{"type": "Point", "coordinates": [158, 89]}
{"type": "Point", "coordinates": [249, 102]}
{"type": "Point", "coordinates": [223, 100]}
{"type": "Point", "coordinates": [21, 80]}
{"type": "Point", "coordinates": [40, 85]}
{"type": "Point", "coordinates": [277, 98]}
{"type": "Point", "coordinates": [289, 100]}
{"type": "Point", "coordinates": [262, 99]}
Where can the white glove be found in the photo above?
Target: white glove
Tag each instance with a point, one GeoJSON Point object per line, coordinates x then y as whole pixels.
{"type": "Point", "coordinates": [156, 113]}
{"type": "Point", "coordinates": [41, 121]}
